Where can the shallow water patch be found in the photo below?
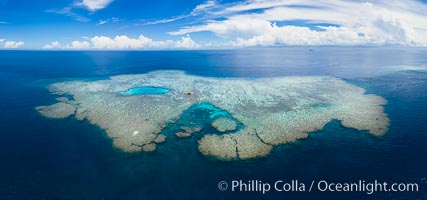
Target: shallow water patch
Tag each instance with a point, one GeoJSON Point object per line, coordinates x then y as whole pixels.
{"type": "Point", "coordinates": [145, 90]}
{"type": "Point", "coordinates": [200, 116]}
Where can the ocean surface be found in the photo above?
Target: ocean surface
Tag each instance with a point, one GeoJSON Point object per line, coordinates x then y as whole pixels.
{"type": "Point", "coordinates": [67, 159]}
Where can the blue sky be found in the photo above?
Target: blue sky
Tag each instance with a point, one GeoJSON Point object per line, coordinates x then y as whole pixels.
{"type": "Point", "coordinates": [189, 24]}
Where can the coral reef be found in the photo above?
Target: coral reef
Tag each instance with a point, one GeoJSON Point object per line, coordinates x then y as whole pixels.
{"type": "Point", "coordinates": [59, 110]}
{"type": "Point", "coordinates": [273, 111]}
{"type": "Point", "coordinates": [160, 139]}
{"type": "Point", "coordinates": [149, 147]}
{"type": "Point", "coordinates": [224, 124]}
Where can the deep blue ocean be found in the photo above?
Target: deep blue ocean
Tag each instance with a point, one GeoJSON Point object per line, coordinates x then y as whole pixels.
{"type": "Point", "coordinates": [67, 159]}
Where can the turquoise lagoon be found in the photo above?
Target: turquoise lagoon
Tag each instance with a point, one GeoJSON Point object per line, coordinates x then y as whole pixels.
{"type": "Point", "coordinates": [145, 90]}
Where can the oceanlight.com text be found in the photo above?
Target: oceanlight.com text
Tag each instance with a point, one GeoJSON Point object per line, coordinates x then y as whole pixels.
{"type": "Point", "coordinates": [368, 187]}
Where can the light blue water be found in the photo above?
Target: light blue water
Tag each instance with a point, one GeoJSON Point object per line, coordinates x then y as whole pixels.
{"type": "Point", "coordinates": [146, 90]}
{"type": "Point", "coordinates": [200, 115]}
{"type": "Point", "coordinates": [68, 159]}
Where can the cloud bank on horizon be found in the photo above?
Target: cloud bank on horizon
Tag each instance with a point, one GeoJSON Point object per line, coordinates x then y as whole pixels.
{"type": "Point", "coordinates": [124, 42]}
{"type": "Point", "coordinates": [249, 23]}
{"type": "Point", "coordinates": [330, 22]}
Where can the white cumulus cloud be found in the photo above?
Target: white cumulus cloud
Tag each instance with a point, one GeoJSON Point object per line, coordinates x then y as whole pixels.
{"type": "Point", "coordinates": [94, 5]}
{"type": "Point", "coordinates": [187, 43]}
{"type": "Point", "coordinates": [52, 45]}
{"type": "Point", "coordinates": [13, 44]}
{"type": "Point", "coordinates": [78, 45]}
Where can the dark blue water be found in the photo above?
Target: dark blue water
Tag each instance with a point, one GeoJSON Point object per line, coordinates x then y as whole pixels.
{"type": "Point", "coordinates": [67, 159]}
